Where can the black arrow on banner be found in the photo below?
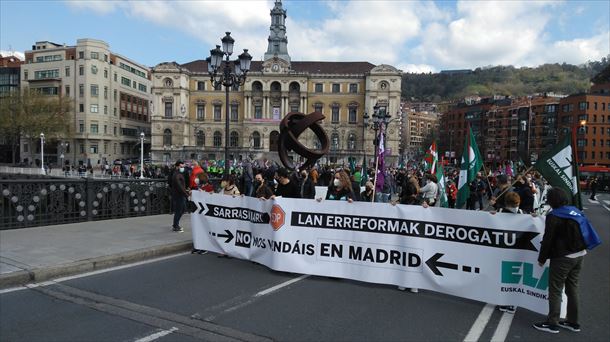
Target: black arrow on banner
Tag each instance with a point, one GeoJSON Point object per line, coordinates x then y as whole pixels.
{"type": "Point", "coordinates": [191, 206]}
{"type": "Point", "coordinates": [202, 208]}
{"type": "Point", "coordinates": [228, 235]}
{"type": "Point", "coordinates": [434, 264]}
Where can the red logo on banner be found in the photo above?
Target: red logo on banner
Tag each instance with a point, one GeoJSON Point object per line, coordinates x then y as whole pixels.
{"type": "Point", "coordinates": [277, 217]}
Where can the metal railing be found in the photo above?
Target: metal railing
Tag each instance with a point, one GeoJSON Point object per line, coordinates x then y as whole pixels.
{"type": "Point", "coordinates": [41, 202]}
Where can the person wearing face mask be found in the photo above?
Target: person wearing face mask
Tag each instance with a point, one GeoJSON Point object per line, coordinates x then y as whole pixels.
{"type": "Point", "coordinates": [261, 188]}
{"type": "Point", "coordinates": [341, 188]}
{"type": "Point", "coordinates": [229, 187]}
{"type": "Point", "coordinates": [308, 189]}
{"type": "Point", "coordinates": [179, 195]}
{"type": "Point", "coordinates": [285, 187]}
{"type": "Point", "coordinates": [367, 194]}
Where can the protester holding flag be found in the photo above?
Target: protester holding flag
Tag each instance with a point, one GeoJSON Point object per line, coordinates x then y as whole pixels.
{"type": "Point", "coordinates": [471, 164]}
{"type": "Point", "coordinates": [564, 245]}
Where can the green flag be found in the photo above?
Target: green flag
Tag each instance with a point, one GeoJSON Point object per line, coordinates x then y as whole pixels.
{"type": "Point", "coordinates": [471, 164]}
{"type": "Point", "coordinates": [559, 168]}
{"type": "Point", "coordinates": [442, 194]}
{"type": "Point", "coordinates": [364, 177]}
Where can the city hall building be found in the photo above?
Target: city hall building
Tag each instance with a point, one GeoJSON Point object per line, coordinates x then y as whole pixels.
{"type": "Point", "coordinates": [188, 114]}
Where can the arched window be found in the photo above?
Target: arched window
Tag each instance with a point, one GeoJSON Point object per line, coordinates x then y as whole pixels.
{"type": "Point", "coordinates": [334, 140]}
{"type": "Point", "coordinates": [200, 139]}
{"type": "Point", "coordinates": [234, 139]}
{"type": "Point", "coordinates": [217, 139]}
{"type": "Point", "coordinates": [273, 139]}
{"type": "Point", "coordinates": [167, 137]}
{"type": "Point", "coordinates": [276, 87]}
{"type": "Point", "coordinates": [351, 141]}
{"type": "Point", "coordinates": [256, 140]}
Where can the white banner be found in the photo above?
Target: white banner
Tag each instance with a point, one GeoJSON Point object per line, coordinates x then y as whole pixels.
{"type": "Point", "coordinates": [470, 254]}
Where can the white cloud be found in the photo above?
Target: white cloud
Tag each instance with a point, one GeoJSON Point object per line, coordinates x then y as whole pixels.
{"type": "Point", "coordinates": [98, 6]}
{"type": "Point", "coordinates": [416, 68]}
{"type": "Point", "coordinates": [17, 54]}
{"type": "Point", "coordinates": [577, 51]}
{"type": "Point", "coordinates": [416, 36]}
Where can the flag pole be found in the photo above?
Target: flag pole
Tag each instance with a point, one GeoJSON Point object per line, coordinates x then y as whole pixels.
{"type": "Point", "coordinates": [513, 184]}
{"type": "Point", "coordinates": [487, 178]}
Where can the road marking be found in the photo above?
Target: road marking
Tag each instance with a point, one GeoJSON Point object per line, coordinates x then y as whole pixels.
{"type": "Point", "coordinates": [156, 335]}
{"type": "Point", "coordinates": [279, 286]}
{"type": "Point", "coordinates": [255, 297]}
{"type": "Point", "coordinates": [503, 327]}
{"type": "Point", "coordinates": [607, 202]}
{"type": "Point", "coordinates": [116, 268]}
{"type": "Point", "coordinates": [593, 201]}
{"type": "Point", "coordinates": [479, 324]}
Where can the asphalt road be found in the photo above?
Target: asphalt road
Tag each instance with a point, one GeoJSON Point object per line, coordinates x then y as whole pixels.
{"type": "Point", "coordinates": [202, 297]}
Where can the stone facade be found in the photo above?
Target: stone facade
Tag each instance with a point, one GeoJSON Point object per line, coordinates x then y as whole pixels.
{"type": "Point", "coordinates": [189, 115]}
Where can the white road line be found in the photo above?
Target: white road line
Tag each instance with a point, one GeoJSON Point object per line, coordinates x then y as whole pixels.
{"type": "Point", "coordinates": [503, 327]}
{"type": "Point", "coordinates": [479, 324]}
{"type": "Point", "coordinates": [279, 286]}
{"type": "Point", "coordinates": [593, 201]}
{"type": "Point", "coordinates": [607, 202]}
{"type": "Point", "coordinates": [156, 335]}
{"type": "Point", "coordinates": [256, 297]}
{"type": "Point", "coordinates": [116, 268]}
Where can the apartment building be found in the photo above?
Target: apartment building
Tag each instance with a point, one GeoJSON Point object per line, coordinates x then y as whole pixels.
{"type": "Point", "coordinates": [589, 116]}
{"type": "Point", "coordinates": [421, 124]}
{"type": "Point", "coordinates": [10, 69]}
{"type": "Point", "coordinates": [110, 96]}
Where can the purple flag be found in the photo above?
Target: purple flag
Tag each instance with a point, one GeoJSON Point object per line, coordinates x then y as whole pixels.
{"type": "Point", "coordinates": [380, 161]}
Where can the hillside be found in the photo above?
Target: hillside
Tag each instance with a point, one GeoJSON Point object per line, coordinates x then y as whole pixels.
{"type": "Point", "coordinates": [502, 80]}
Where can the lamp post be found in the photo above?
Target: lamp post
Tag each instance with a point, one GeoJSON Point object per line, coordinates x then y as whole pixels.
{"type": "Point", "coordinates": [141, 155]}
{"type": "Point", "coordinates": [365, 125]}
{"type": "Point", "coordinates": [227, 78]}
{"type": "Point", "coordinates": [381, 119]}
{"type": "Point", "coordinates": [42, 153]}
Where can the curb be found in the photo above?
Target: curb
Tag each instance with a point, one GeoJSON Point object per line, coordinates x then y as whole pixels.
{"type": "Point", "coordinates": [38, 275]}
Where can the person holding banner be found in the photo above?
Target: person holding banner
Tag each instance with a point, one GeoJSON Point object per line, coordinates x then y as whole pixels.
{"type": "Point", "coordinates": [261, 189]}
{"type": "Point", "coordinates": [564, 245]}
{"type": "Point", "coordinates": [341, 188]}
{"type": "Point", "coordinates": [285, 186]}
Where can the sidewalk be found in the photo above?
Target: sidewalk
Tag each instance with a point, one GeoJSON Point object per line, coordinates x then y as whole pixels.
{"type": "Point", "coordinates": [38, 254]}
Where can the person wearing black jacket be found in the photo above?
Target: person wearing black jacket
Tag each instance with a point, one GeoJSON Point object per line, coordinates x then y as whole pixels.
{"type": "Point", "coordinates": [563, 244]}
{"type": "Point", "coordinates": [179, 195]}
{"type": "Point", "coordinates": [285, 186]}
{"type": "Point", "coordinates": [307, 188]}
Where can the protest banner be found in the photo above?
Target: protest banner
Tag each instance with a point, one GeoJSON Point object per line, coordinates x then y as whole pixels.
{"type": "Point", "coordinates": [470, 254]}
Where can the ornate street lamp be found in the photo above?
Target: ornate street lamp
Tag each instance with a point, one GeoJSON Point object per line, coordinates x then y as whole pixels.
{"type": "Point", "coordinates": [228, 78]}
{"type": "Point", "coordinates": [141, 155]}
{"type": "Point", "coordinates": [42, 153]}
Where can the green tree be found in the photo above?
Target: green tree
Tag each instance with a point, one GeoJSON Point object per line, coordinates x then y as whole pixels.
{"type": "Point", "coordinates": [28, 113]}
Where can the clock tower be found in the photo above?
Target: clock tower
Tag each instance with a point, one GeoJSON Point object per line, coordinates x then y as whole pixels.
{"type": "Point", "coordinates": [278, 42]}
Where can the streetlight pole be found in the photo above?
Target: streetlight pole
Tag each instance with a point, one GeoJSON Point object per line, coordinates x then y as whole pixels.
{"type": "Point", "coordinates": [42, 153]}
{"type": "Point", "coordinates": [365, 125]}
{"type": "Point", "coordinates": [141, 155]}
{"type": "Point", "coordinates": [227, 78]}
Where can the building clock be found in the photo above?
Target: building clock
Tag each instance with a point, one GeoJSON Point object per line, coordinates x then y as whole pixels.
{"type": "Point", "coordinates": [275, 67]}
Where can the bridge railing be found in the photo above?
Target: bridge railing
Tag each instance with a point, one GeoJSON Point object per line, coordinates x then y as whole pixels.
{"type": "Point", "coordinates": [41, 202]}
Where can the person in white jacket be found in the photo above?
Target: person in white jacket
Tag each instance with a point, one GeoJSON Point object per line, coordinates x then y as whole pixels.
{"type": "Point", "coordinates": [430, 190]}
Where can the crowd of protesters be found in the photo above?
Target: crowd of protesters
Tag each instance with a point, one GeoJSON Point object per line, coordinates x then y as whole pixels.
{"type": "Point", "coordinates": [562, 244]}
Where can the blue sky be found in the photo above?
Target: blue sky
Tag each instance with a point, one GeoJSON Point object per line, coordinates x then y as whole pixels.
{"type": "Point", "coordinates": [416, 36]}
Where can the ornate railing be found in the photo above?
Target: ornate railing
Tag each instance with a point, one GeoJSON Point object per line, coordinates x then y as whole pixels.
{"type": "Point", "coordinates": [41, 202]}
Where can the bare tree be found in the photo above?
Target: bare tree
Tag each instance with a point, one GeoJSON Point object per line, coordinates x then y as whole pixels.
{"type": "Point", "coordinates": [28, 113]}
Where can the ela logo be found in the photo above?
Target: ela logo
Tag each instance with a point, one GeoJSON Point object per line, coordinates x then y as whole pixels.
{"type": "Point", "coordinates": [516, 272]}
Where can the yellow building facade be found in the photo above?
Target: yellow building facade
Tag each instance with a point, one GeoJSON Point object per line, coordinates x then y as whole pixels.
{"type": "Point", "coordinates": [188, 119]}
